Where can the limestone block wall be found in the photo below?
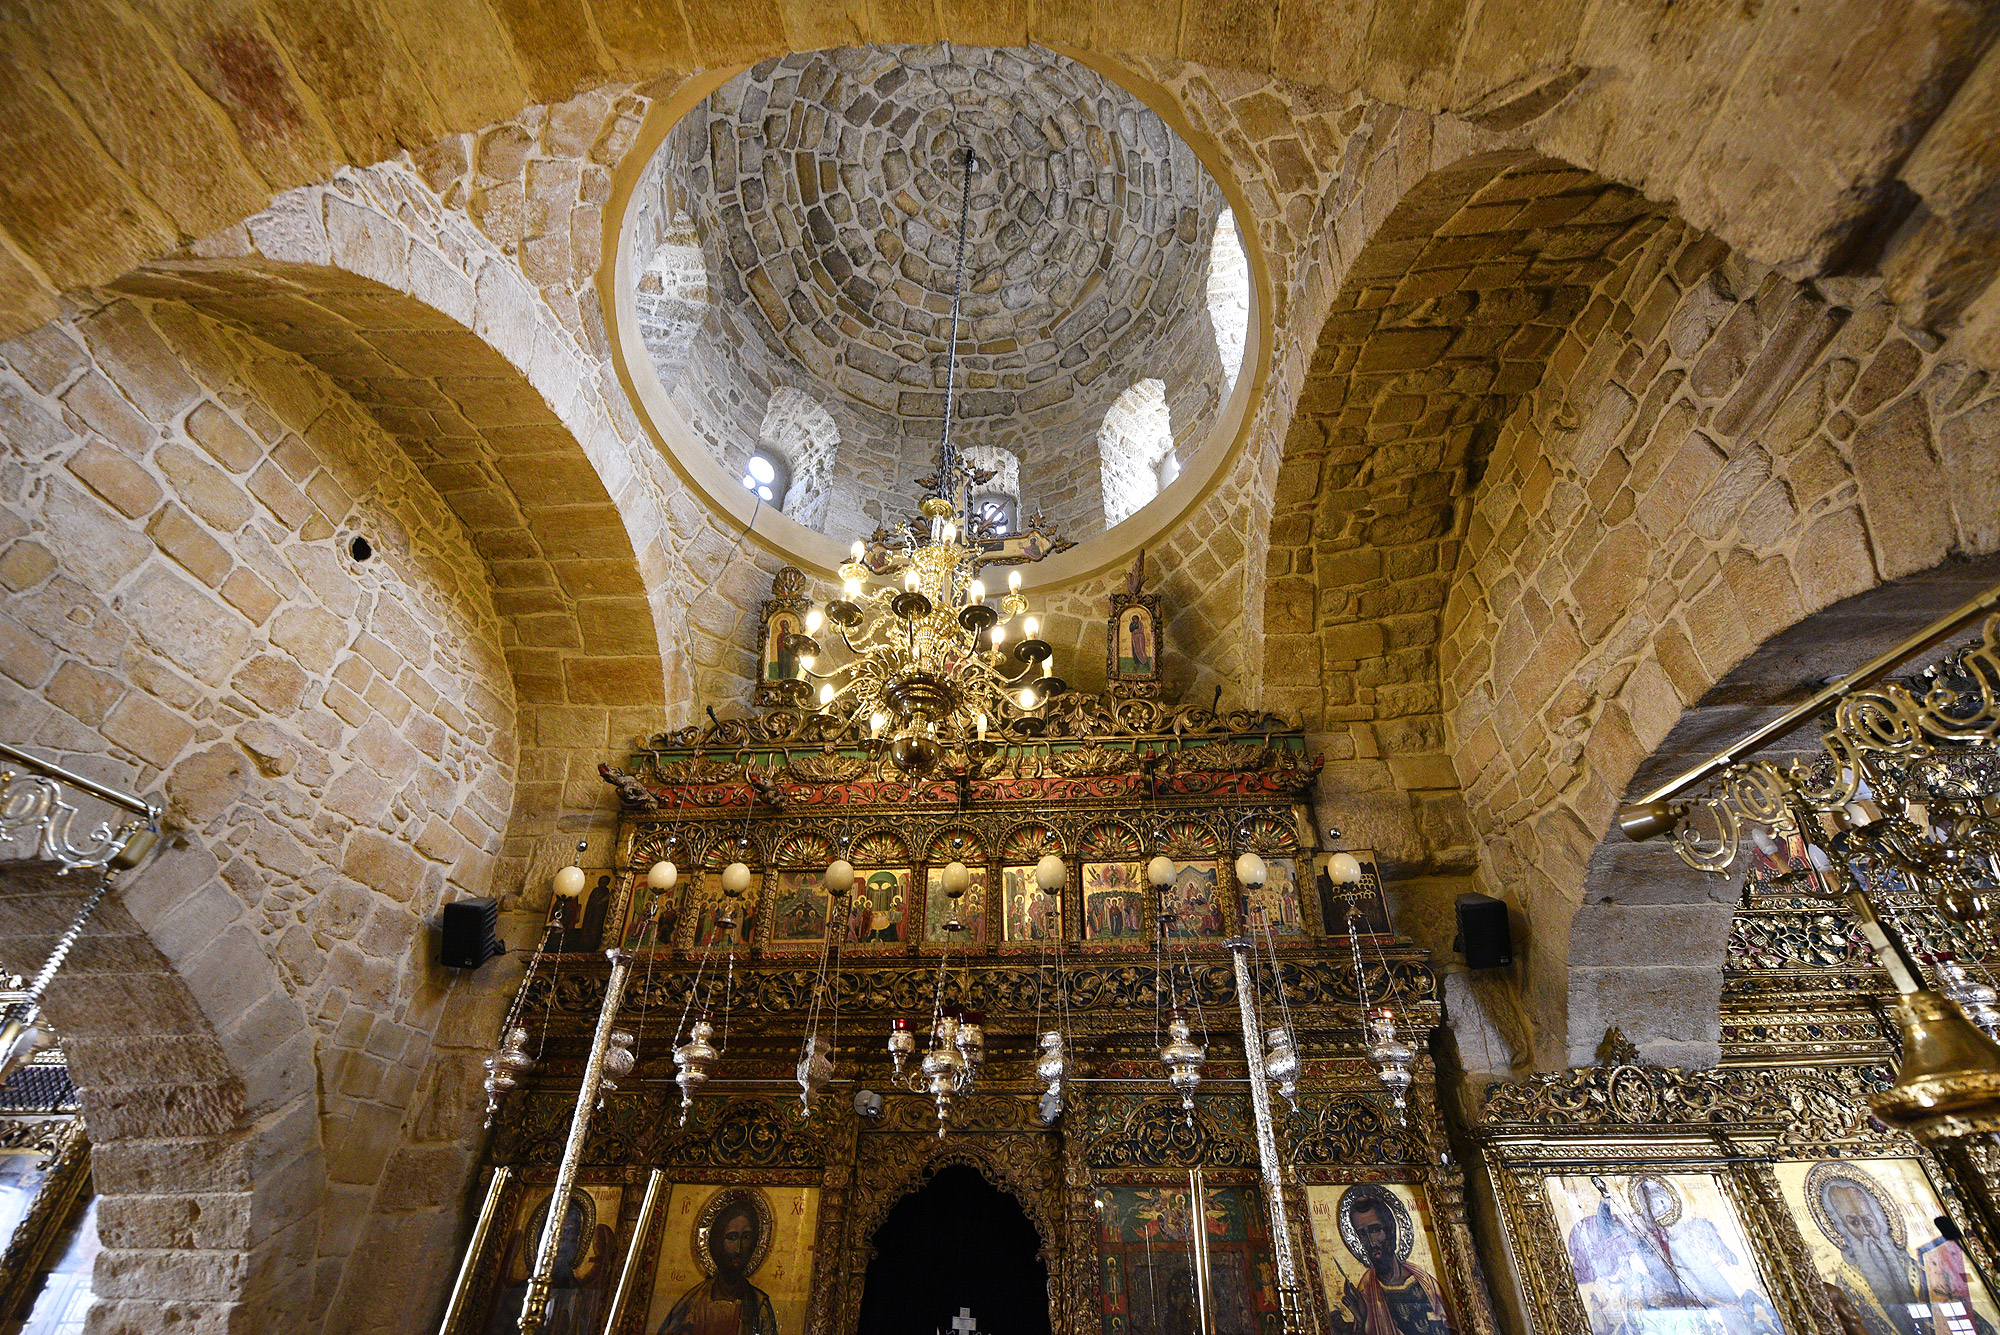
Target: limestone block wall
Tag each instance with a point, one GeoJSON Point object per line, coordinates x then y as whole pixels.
{"type": "Point", "coordinates": [1753, 120]}
{"type": "Point", "coordinates": [1714, 453]}
{"type": "Point", "coordinates": [336, 742]}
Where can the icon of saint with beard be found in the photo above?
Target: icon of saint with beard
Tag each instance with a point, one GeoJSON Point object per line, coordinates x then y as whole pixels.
{"type": "Point", "coordinates": [731, 1243]}
{"type": "Point", "coordinates": [1878, 1287]}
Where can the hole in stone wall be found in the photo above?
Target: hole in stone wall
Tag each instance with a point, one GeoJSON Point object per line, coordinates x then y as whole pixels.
{"type": "Point", "coordinates": [360, 548]}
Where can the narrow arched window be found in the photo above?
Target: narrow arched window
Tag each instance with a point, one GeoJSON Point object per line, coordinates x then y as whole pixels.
{"type": "Point", "coordinates": [1228, 297]}
{"type": "Point", "coordinates": [767, 476]}
{"type": "Point", "coordinates": [798, 442]}
{"type": "Point", "coordinates": [1135, 450]}
{"type": "Point", "coordinates": [997, 500]}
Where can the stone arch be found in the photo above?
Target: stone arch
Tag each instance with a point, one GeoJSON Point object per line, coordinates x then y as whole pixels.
{"type": "Point", "coordinates": [1712, 450]}
{"type": "Point", "coordinates": [334, 740]}
{"type": "Point", "coordinates": [1646, 944]}
{"type": "Point", "coordinates": [566, 571]}
{"type": "Point", "coordinates": [801, 432]}
{"type": "Point", "coordinates": [205, 1157]}
{"type": "Point", "coordinates": [1752, 118]}
{"type": "Point", "coordinates": [1134, 443]}
{"type": "Point", "coordinates": [1448, 312]}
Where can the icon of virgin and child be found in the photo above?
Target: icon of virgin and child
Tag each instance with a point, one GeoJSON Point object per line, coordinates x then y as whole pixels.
{"type": "Point", "coordinates": [731, 1244]}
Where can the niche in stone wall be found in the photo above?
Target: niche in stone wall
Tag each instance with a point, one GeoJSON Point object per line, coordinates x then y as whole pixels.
{"type": "Point", "coordinates": [1135, 450]}
{"type": "Point", "coordinates": [801, 434]}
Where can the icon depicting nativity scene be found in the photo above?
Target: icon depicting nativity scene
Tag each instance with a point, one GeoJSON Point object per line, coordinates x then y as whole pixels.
{"type": "Point", "coordinates": [711, 669]}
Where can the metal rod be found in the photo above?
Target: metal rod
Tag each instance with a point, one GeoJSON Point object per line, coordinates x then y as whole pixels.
{"type": "Point", "coordinates": [461, 1289]}
{"type": "Point", "coordinates": [1866, 675]}
{"type": "Point", "coordinates": [1267, 1137]}
{"type": "Point", "coordinates": [629, 1272]}
{"type": "Point", "coordinates": [137, 805]}
{"type": "Point", "coordinates": [1198, 1231]}
{"type": "Point", "coordinates": [534, 1307]}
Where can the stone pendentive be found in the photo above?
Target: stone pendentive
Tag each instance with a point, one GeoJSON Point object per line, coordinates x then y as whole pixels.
{"type": "Point", "coordinates": [823, 192]}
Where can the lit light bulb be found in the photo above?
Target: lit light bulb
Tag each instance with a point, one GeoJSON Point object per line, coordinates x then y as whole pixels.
{"type": "Point", "coordinates": [814, 620]}
{"type": "Point", "coordinates": [910, 579]}
{"type": "Point", "coordinates": [850, 589]}
{"type": "Point", "coordinates": [806, 661]}
{"type": "Point", "coordinates": [876, 722]}
{"type": "Point", "coordinates": [1030, 626]}
{"type": "Point", "coordinates": [1027, 698]}
{"type": "Point", "coordinates": [1048, 666]}
{"type": "Point", "coordinates": [975, 592]}
{"type": "Point", "coordinates": [950, 531]}
{"type": "Point", "coordinates": [979, 722]}
{"type": "Point", "coordinates": [826, 694]}
{"type": "Point", "coordinates": [1013, 580]}
{"type": "Point", "coordinates": [999, 634]}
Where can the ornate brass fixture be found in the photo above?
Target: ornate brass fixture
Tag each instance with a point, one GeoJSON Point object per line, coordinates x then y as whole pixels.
{"type": "Point", "coordinates": [1904, 789]}
{"type": "Point", "coordinates": [928, 662]}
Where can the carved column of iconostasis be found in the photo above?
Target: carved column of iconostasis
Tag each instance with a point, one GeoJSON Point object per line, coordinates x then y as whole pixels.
{"type": "Point", "coordinates": [1374, 1199]}
{"type": "Point", "coordinates": [1782, 1203]}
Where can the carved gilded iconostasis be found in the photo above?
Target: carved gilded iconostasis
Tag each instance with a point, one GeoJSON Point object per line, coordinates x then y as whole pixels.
{"type": "Point", "coordinates": [1621, 1199]}
{"type": "Point", "coordinates": [1106, 784]}
{"type": "Point", "coordinates": [1763, 1195]}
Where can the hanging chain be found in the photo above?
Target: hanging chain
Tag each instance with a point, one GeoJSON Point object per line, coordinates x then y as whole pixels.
{"type": "Point", "coordinates": [947, 477]}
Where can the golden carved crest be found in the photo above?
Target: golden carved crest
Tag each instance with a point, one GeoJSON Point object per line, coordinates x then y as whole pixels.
{"type": "Point", "coordinates": [1091, 759]}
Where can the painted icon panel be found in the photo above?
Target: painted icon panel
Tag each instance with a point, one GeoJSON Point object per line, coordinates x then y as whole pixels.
{"type": "Point", "coordinates": [1365, 896]}
{"type": "Point", "coordinates": [781, 661]}
{"type": "Point", "coordinates": [1379, 1259]}
{"type": "Point", "coordinates": [1144, 1251]}
{"type": "Point", "coordinates": [970, 910]}
{"type": "Point", "coordinates": [1660, 1254]}
{"type": "Point", "coordinates": [1114, 900]}
{"type": "Point", "coordinates": [1026, 913]}
{"type": "Point", "coordinates": [734, 1260]}
{"type": "Point", "coordinates": [1192, 901]}
{"type": "Point", "coordinates": [585, 1261]}
{"type": "Point", "coordinates": [1277, 900]}
{"type": "Point", "coordinates": [1871, 1226]}
{"type": "Point", "coordinates": [875, 909]}
{"type": "Point", "coordinates": [720, 921]}
{"type": "Point", "coordinates": [798, 909]}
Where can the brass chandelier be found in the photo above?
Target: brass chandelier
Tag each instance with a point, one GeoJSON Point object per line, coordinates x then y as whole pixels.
{"type": "Point", "coordinates": [927, 668]}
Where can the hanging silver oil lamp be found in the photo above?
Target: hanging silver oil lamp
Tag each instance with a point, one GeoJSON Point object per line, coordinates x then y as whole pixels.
{"type": "Point", "coordinates": [1182, 1057]}
{"type": "Point", "coordinates": [694, 1058]}
{"type": "Point", "coordinates": [1281, 1063]}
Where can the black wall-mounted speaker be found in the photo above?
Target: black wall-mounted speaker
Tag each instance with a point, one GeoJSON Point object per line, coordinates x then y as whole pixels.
{"type": "Point", "coordinates": [471, 931]}
{"type": "Point", "coordinates": [1483, 935]}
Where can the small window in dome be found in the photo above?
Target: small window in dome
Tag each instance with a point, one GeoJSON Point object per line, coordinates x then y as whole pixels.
{"type": "Point", "coordinates": [996, 514]}
{"type": "Point", "coordinates": [767, 477]}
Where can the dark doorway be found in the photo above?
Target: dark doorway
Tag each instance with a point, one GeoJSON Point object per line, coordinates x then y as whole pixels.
{"type": "Point", "coordinates": [957, 1241]}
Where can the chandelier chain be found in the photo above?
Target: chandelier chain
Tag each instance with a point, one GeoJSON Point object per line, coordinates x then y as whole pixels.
{"type": "Point", "coordinates": [947, 479]}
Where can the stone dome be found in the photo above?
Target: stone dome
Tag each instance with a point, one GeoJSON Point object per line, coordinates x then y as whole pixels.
{"type": "Point", "coordinates": [796, 239]}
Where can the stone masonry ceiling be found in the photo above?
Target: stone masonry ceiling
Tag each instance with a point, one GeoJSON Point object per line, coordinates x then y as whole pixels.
{"type": "Point", "coordinates": [797, 230]}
